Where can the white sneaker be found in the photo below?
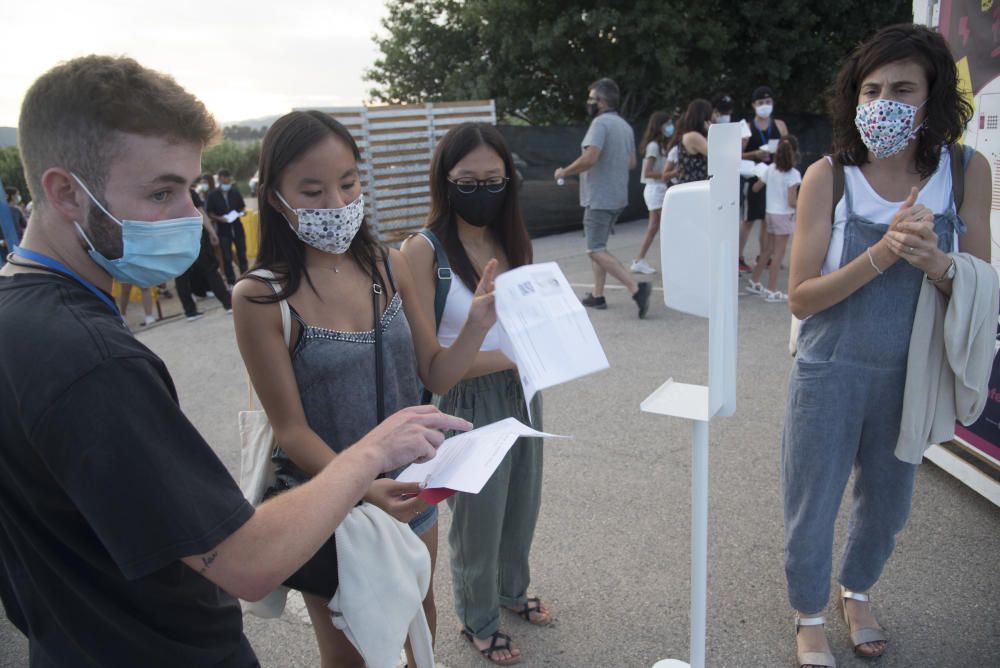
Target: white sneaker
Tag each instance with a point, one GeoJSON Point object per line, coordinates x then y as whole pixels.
{"type": "Point", "coordinates": [754, 287]}
{"type": "Point", "coordinates": [642, 267]}
{"type": "Point", "coordinates": [148, 320]}
{"type": "Point", "coordinates": [775, 297]}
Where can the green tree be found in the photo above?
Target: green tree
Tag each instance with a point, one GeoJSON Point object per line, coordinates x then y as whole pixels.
{"type": "Point", "coordinates": [537, 58]}
{"type": "Point", "coordinates": [227, 154]}
{"type": "Point", "coordinates": [11, 171]}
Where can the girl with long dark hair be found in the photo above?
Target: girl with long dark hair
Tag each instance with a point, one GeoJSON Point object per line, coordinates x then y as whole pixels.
{"type": "Point", "coordinates": [783, 181]}
{"type": "Point", "coordinates": [691, 140]}
{"type": "Point", "coordinates": [475, 215]}
{"type": "Point", "coordinates": [342, 287]}
{"type": "Point", "coordinates": [879, 223]}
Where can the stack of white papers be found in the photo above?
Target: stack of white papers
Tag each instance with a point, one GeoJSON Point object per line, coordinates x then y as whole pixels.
{"type": "Point", "coordinates": [544, 328]}
{"type": "Point", "coordinates": [232, 216]}
{"type": "Point", "coordinates": [464, 463]}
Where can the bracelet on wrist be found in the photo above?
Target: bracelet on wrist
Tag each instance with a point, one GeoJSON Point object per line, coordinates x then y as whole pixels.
{"type": "Point", "coordinates": [871, 259]}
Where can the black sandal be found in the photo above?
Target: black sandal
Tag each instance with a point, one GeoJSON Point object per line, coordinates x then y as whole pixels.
{"type": "Point", "coordinates": [528, 608]}
{"type": "Point", "coordinates": [494, 647]}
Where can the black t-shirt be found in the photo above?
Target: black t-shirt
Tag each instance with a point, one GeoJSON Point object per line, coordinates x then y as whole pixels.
{"type": "Point", "coordinates": [104, 486]}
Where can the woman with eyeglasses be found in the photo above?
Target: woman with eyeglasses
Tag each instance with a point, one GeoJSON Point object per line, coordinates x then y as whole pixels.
{"type": "Point", "coordinates": [475, 215]}
{"type": "Point", "coordinates": [320, 386]}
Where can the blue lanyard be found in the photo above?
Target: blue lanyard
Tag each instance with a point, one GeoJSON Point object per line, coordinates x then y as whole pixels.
{"type": "Point", "coordinates": [764, 134]}
{"type": "Point", "coordinates": [59, 267]}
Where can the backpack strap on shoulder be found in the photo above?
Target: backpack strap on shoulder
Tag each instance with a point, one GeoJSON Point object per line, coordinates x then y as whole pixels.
{"type": "Point", "coordinates": [960, 156]}
{"type": "Point", "coordinates": [442, 276]}
{"type": "Point", "coordinates": [838, 186]}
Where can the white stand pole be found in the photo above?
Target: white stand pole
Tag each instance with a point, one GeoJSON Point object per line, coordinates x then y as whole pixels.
{"type": "Point", "coordinates": [699, 541]}
{"type": "Point", "coordinates": [699, 548]}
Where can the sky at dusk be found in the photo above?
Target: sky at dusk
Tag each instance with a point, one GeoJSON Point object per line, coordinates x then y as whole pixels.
{"type": "Point", "coordinates": [243, 59]}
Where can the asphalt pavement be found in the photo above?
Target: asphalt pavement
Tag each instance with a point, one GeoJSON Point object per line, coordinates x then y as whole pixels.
{"type": "Point", "coordinates": [611, 551]}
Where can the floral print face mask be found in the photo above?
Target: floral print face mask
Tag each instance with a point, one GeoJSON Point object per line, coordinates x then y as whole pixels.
{"type": "Point", "coordinates": [886, 126]}
{"type": "Point", "coordinates": [328, 230]}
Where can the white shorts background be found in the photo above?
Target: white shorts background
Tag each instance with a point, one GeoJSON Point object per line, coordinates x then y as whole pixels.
{"type": "Point", "coordinates": [653, 193]}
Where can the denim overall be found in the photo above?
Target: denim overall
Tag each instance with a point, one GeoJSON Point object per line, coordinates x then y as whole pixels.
{"type": "Point", "coordinates": [845, 400]}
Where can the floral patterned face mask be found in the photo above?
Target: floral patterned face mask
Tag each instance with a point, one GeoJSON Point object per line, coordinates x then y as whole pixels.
{"type": "Point", "coordinates": [328, 230]}
{"type": "Point", "coordinates": [886, 126]}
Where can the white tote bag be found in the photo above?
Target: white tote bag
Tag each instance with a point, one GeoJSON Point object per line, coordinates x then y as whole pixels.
{"type": "Point", "coordinates": [256, 468]}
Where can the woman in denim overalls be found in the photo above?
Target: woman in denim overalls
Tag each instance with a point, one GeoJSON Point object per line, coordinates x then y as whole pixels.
{"type": "Point", "coordinates": [896, 111]}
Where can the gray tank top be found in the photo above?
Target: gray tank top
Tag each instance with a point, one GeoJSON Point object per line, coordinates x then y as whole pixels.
{"type": "Point", "coordinates": [335, 374]}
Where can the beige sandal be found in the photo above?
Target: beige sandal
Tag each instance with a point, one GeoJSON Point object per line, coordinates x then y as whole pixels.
{"type": "Point", "coordinates": [861, 636]}
{"type": "Point", "coordinates": [813, 658]}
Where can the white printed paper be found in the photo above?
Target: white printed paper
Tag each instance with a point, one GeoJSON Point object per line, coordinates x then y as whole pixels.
{"type": "Point", "coordinates": [465, 462]}
{"type": "Point", "coordinates": [232, 216]}
{"type": "Point", "coordinates": [544, 329]}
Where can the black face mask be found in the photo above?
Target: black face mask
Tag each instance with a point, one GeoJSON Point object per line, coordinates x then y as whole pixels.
{"type": "Point", "coordinates": [480, 207]}
{"type": "Point", "coordinates": [592, 109]}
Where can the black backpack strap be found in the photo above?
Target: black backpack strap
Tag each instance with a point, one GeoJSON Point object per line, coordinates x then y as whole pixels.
{"type": "Point", "coordinates": [838, 186]}
{"type": "Point", "coordinates": [442, 286]}
{"type": "Point", "coordinates": [442, 275]}
{"type": "Point", "coordinates": [960, 156]}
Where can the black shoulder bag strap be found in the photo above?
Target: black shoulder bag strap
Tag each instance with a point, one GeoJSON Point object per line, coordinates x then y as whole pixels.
{"type": "Point", "coordinates": [442, 275]}
{"type": "Point", "coordinates": [442, 284]}
{"type": "Point", "coordinates": [838, 187]}
{"type": "Point", "coordinates": [960, 156]}
{"type": "Point", "coordinates": [376, 313]}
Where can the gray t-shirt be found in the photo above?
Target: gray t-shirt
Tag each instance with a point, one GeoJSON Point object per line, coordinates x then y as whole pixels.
{"type": "Point", "coordinates": [605, 185]}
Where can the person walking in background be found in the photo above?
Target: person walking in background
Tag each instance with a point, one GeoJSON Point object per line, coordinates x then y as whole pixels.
{"type": "Point", "coordinates": [16, 209]}
{"type": "Point", "coordinates": [864, 257]}
{"type": "Point", "coordinates": [659, 131]}
{"type": "Point", "coordinates": [475, 216]}
{"type": "Point", "coordinates": [147, 303]}
{"type": "Point", "coordinates": [765, 132]}
{"type": "Point", "coordinates": [782, 180]}
{"type": "Point", "coordinates": [220, 205]}
{"type": "Point", "coordinates": [608, 156]}
{"type": "Point", "coordinates": [204, 267]}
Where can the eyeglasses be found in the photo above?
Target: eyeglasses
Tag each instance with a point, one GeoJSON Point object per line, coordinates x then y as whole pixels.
{"type": "Point", "coordinates": [494, 184]}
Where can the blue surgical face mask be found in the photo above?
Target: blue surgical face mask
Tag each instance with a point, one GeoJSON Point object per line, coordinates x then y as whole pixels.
{"type": "Point", "coordinates": [225, 187]}
{"type": "Point", "coordinates": [668, 129]}
{"type": "Point", "coordinates": [152, 252]}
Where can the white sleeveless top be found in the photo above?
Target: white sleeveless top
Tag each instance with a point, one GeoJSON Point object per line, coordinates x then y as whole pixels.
{"type": "Point", "coordinates": [935, 195]}
{"type": "Point", "coordinates": [456, 312]}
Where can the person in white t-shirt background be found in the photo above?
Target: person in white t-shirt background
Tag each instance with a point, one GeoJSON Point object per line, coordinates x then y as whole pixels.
{"type": "Point", "coordinates": [656, 140]}
{"type": "Point", "coordinates": [782, 181]}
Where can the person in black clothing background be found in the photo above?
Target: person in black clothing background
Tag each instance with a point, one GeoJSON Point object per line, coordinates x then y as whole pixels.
{"type": "Point", "coordinates": [204, 267]}
{"type": "Point", "coordinates": [763, 129]}
{"type": "Point", "coordinates": [220, 202]}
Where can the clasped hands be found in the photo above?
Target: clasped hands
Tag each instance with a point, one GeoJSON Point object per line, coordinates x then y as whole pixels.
{"type": "Point", "coordinates": [911, 236]}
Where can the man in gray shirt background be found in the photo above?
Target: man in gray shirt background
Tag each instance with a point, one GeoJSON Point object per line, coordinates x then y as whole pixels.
{"type": "Point", "coordinates": [608, 154]}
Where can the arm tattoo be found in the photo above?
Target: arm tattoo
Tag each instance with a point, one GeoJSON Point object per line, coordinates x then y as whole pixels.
{"type": "Point", "coordinates": [206, 561]}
